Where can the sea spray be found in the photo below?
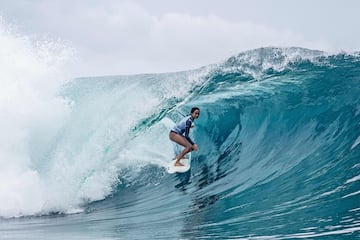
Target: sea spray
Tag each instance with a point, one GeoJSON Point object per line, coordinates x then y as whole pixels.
{"type": "Point", "coordinates": [31, 112]}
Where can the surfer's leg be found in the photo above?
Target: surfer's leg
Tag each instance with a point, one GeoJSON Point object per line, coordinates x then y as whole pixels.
{"type": "Point", "coordinates": [182, 154]}
{"type": "Point", "coordinates": [181, 140]}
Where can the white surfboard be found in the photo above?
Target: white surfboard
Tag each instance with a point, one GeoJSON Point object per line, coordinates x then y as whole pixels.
{"type": "Point", "coordinates": [171, 168]}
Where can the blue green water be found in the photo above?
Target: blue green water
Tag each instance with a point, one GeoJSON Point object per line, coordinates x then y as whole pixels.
{"type": "Point", "coordinates": [279, 157]}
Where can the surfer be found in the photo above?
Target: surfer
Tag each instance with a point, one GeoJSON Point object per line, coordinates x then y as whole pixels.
{"type": "Point", "coordinates": [177, 134]}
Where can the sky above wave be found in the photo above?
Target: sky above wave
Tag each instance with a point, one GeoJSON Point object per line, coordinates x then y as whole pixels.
{"type": "Point", "coordinates": [112, 37]}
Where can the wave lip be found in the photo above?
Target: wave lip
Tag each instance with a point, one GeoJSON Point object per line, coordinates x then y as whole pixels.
{"type": "Point", "coordinates": [260, 60]}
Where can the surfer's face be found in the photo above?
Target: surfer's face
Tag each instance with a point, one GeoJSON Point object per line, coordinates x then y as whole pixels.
{"type": "Point", "coordinates": [195, 114]}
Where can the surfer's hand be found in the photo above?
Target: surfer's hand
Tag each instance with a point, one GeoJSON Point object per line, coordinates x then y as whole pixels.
{"type": "Point", "coordinates": [195, 147]}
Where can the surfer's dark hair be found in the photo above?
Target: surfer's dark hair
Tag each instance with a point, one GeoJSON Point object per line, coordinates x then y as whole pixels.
{"type": "Point", "coordinates": [194, 109]}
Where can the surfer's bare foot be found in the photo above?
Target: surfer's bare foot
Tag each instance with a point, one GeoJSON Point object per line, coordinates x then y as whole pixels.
{"type": "Point", "coordinates": [178, 164]}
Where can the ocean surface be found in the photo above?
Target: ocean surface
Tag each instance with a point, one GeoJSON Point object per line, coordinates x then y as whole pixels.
{"type": "Point", "coordinates": [278, 137]}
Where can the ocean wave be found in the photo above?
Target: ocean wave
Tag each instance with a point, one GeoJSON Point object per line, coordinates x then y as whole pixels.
{"type": "Point", "coordinates": [278, 135]}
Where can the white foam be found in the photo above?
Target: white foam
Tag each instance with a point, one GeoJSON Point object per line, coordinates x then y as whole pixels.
{"type": "Point", "coordinates": [30, 114]}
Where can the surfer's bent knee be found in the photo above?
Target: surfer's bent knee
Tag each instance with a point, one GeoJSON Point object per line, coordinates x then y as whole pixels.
{"type": "Point", "coordinates": [189, 148]}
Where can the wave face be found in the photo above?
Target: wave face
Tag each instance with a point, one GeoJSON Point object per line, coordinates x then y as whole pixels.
{"type": "Point", "coordinates": [279, 156]}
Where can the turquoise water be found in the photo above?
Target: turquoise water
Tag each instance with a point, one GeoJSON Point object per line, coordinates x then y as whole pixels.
{"type": "Point", "coordinates": [279, 156]}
